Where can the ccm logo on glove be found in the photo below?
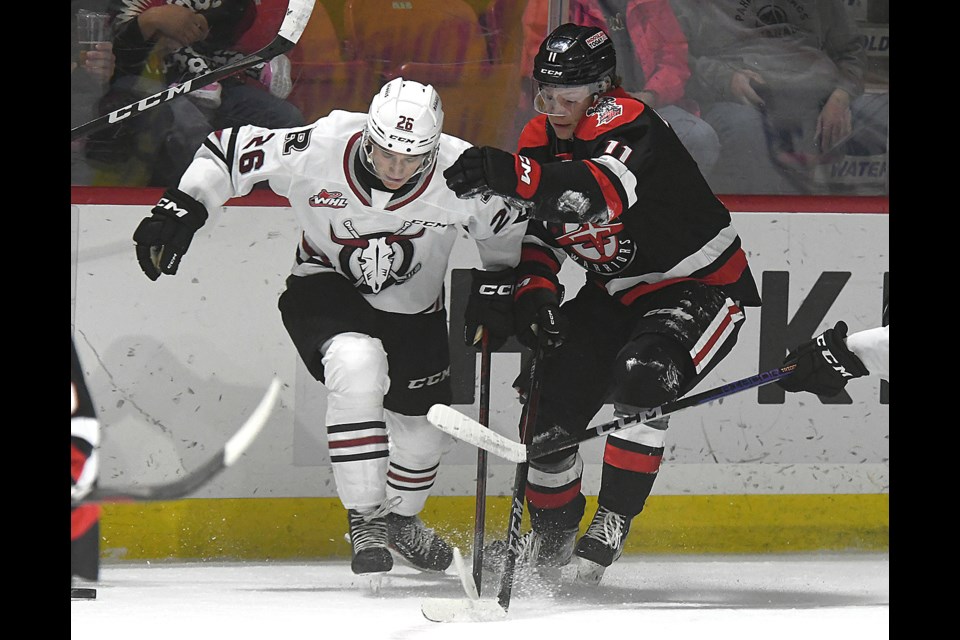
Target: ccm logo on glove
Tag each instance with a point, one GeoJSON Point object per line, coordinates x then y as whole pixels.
{"type": "Point", "coordinates": [496, 290]}
{"type": "Point", "coordinates": [832, 359]}
{"type": "Point", "coordinates": [169, 205]}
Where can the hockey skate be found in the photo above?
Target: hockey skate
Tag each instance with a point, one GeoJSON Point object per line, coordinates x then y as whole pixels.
{"type": "Point", "coordinates": [601, 545]}
{"type": "Point", "coordinates": [368, 540]}
{"type": "Point", "coordinates": [418, 544]}
{"type": "Point", "coordinates": [540, 554]}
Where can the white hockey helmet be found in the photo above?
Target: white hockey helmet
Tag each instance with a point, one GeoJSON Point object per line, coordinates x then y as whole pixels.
{"type": "Point", "coordinates": [405, 117]}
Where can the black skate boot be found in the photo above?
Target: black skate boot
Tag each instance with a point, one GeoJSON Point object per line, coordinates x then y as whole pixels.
{"type": "Point", "coordinates": [544, 553]}
{"type": "Point", "coordinates": [418, 544]}
{"type": "Point", "coordinates": [368, 539]}
{"type": "Point", "coordinates": [601, 545]}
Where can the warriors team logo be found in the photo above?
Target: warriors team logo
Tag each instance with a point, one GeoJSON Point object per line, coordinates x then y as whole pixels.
{"type": "Point", "coordinates": [378, 260]}
{"type": "Point", "coordinates": [606, 110]}
{"type": "Point", "coordinates": [332, 199]}
{"type": "Point", "coordinates": [596, 247]}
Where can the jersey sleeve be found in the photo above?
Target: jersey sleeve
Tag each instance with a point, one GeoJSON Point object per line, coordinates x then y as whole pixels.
{"type": "Point", "coordinates": [497, 227]}
{"type": "Point", "coordinates": [231, 161]}
{"type": "Point", "coordinates": [600, 188]}
{"type": "Point", "coordinates": [872, 346]}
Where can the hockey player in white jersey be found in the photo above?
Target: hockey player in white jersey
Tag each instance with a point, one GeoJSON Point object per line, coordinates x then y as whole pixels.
{"type": "Point", "coordinates": [364, 303]}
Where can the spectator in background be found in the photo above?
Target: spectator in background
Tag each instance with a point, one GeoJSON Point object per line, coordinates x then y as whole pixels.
{"type": "Point", "coordinates": [89, 81]}
{"type": "Point", "coordinates": [652, 53]}
{"type": "Point", "coordinates": [782, 83]}
{"type": "Point", "coordinates": [159, 43]}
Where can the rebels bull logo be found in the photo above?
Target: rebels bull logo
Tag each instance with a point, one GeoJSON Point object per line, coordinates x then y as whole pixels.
{"type": "Point", "coordinates": [606, 110]}
{"type": "Point", "coordinates": [596, 247]}
{"type": "Point", "coordinates": [378, 260]}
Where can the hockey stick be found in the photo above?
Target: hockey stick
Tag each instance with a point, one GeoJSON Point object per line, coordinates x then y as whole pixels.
{"type": "Point", "coordinates": [229, 454]}
{"type": "Point", "coordinates": [453, 422]}
{"type": "Point", "coordinates": [472, 608]}
{"type": "Point", "coordinates": [294, 22]}
{"type": "Point", "coordinates": [479, 521]}
{"type": "Point", "coordinates": [528, 421]}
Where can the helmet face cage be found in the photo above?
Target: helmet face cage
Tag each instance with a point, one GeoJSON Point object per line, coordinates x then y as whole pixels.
{"type": "Point", "coordinates": [405, 117]}
{"type": "Point", "coordinates": [575, 55]}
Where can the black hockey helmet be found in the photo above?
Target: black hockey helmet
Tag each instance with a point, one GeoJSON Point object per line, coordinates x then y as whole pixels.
{"type": "Point", "coordinates": [575, 55]}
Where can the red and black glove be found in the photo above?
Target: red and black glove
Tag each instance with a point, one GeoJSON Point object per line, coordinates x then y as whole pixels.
{"type": "Point", "coordinates": [485, 170]}
{"type": "Point", "coordinates": [538, 310]}
{"type": "Point", "coordinates": [824, 364]}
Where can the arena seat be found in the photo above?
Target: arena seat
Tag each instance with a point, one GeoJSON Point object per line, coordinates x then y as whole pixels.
{"type": "Point", "coordinates": [391, 33]}
{"type": "Point", "coordinates": [479, 98]}
{"type": "Point", "coordinates": [265, 26]}
{"type": "Point", "coordinates": [502, 26]}
{"type": "Point", "coordinates": [322, 79]}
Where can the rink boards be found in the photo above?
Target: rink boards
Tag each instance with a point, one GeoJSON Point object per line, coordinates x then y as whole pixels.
{"type": "Point", "coordinates": [175, 366]}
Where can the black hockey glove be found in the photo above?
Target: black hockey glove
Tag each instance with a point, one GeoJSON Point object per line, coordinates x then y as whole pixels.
{"type": "Point", "coordinates": [163, 238]}
{"type": "Point", "coordinates": [824, 364]}
{"type": "Point", "coordinates": [490, 306]}
{"type": "Point", "coordinates": [533, 315]}
{"type": "Point", "coordinates": [484, 170]}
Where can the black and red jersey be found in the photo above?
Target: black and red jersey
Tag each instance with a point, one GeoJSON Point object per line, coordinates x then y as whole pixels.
{"type": "Point", "coordinates": [627, 202]}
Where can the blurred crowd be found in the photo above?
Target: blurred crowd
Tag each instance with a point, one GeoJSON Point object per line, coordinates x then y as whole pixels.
{"type": "Point", "coordinates": [773, 97]}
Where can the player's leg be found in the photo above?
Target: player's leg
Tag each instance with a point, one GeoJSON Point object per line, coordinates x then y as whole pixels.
{"type": "Point", "coordinates": [682, 332]}
{"type": "Point", "coordinates": [576, 381]}
{"type": "Point", "coordinates": [420, 377]}
{"type": "Point", "coordinates": [333, 329]}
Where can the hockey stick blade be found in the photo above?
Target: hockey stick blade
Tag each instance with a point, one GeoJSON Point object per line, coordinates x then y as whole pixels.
{"type": "Point", "coordinates": [231, 452]}
{"type": "Point", "coordinates": [294, 22]}
{"type": "Point", "coordinates": [469, 609]}
{"type": "Point", "coordinates": [463, 428]}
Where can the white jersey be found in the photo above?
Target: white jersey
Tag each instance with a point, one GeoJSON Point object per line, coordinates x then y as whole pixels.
{"type": "Point", "coordinates": [393, 246]}
{"type": "Point", "coordinates": [873, 348]}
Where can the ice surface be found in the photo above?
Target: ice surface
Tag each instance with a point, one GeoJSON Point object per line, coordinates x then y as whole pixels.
{"type": "Point", "coordinates": [799, 596]}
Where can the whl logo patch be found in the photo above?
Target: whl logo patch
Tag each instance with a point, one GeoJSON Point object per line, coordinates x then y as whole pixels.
{"type": "Point", "coordinates": [332, 199]}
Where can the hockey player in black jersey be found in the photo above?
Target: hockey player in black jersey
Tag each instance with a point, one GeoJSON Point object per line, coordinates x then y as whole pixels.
{"type": "Point", "coordinates": [608, 184]}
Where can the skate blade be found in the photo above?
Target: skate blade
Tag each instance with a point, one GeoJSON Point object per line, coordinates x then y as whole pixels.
{"type": "Point", "coordinates": [81, 593]}
{"type": "Point", "coordinates": [589, 573]}
{"type": "Point", "coordinates": [374, 582]}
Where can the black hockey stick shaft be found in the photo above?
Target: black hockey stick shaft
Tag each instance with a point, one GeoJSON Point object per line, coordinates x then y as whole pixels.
{"type": "Point", "coordinates": [547, 445]}
{"type": "Point", "coordinates": [479, 521]}
{"type": "Point", "coordinates": [228, 454]}
{"type": "Point", "coordinates": [298, 14]}
{"type": "Point", "coordinates": [528, 421]}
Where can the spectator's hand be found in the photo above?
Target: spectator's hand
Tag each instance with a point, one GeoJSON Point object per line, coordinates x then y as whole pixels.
{"type": "Point", "coordinates": [163, 238]}
{"type": "Point", "coordinates": [741, 89]}
{"type": "Point", "coordinates": [824, 364]}
{"type": "Point", "coordinates": [835, 122]}
{"type": "Point", "coordinates": [177, 22]}
{"type": "Point", "coordinates": [100, 62]}
{"type": "Point", "coordinates": [490, 307]}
